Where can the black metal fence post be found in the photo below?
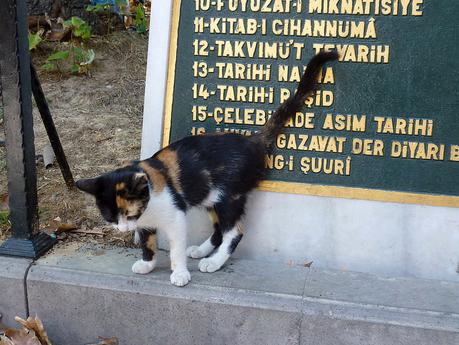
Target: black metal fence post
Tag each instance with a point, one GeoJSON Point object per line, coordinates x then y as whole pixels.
{"type": "Point", "coordinates": [48, 122]}
{"type": "Point", "coordinates": [15, 83]}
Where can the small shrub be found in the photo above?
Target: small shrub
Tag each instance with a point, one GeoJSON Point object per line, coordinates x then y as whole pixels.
{"type": "Point", "coordinates": [79, 28]}
{"type": "Point", "coordinates": [35, 39]}
{"type": "Point", "coordinates": [140, 21]}
{"type": "Point", "coordinates": [4, 219]}
{"type": "Point", "coordinates": [75, 53]}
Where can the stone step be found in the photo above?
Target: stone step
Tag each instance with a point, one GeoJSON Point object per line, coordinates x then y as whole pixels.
{"type": "Point", "coordinates": [12, 289]}
{"type": "Point", "coordinates": [89, 292]}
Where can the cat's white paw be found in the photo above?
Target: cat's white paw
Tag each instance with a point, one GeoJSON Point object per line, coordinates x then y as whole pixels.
{"type": "Point", "coordinates": [209, 265]}
{"type": "Point", "coordinates": [143, 267]}
{"type": "Point", "coordinates": [194, 252]}
{"type": "Point", "coordinates": [180, 278]}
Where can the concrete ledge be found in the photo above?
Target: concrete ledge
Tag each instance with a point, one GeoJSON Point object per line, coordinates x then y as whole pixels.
{"type": "Point", "coordinates": [92, 292]}
{"type": "Point", "coordinates": [12, 292]}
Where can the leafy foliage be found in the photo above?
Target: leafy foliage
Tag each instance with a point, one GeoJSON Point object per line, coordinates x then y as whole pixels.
{"type": "Point", "coordinates": [134, 14]}
{"type": "Point", "coordinates": [74, 54]}
{"type": "Point", "coordinates": [4, 218]}
{"type": "Point", "coordinates": [83, 58]}
{"type": "Point", "coordinates": [79, 28]}
{"type": "Point", "coordinates": [49, 67]}
{"type": "Point", "coordinates": [100, 8]}
{"type": "Point", "coordinates": [35, 39]}
{"type": "Point", "coordinates": [140, 21]}
{"type": "Point", "coordinates": [59, 56]}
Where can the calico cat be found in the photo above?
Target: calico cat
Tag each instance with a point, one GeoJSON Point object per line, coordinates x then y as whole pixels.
{"type": "Point", "coordinates": [212, 171]}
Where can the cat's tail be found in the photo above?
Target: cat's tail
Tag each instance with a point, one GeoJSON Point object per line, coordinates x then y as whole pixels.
{"type": "Point", "coordinates": [295, 103]}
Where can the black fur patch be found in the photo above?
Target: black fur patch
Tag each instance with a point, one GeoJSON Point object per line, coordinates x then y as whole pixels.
{"type": "Point", "coordinates": [229, 211]}
{"type": "Point", "coordinates": [147, 253]}
{"type": "Point", "coordinates": [217, 237]}
{"type": "Point", "coordinates": [235, 241]}
{"type": "Point", "coordinates": [231, 163]}
{"type": "Point", "coordinates": [178, 199]}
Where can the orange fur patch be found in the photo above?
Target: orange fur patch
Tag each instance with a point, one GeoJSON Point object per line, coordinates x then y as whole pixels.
{"type": "Point", "coordinates": [122, 203]}
{"type": "Point", "coordinates": [128, 208]}
{"type": "Point", "coordinates": [214, 217]}
{"type": "Point", "coordinates": [120, 186]}
{"type": "Point", "coordinates": [170, 160]}
{"type": "Point", "coordinates": [151, 242]}
{"type": "Point", "coordinates": [157, 178]}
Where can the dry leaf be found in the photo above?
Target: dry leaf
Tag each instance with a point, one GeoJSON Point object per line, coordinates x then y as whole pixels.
{"type": "Point", "coordinates": [66, 227]}
{"type": "Point", "coordinates": [106, 138]}
{"type": "Point", "coordinates": [4, 202]}
{"type": "Point", "coordinates": [35, 324]}
{"type": "Point", "coordinates": [5, 341]}
{"type": "Point", "coordinates": [106, 341]}
{"type": "Point", "coordinates": [57, 34]}
{"type": "Point", "coordinates": [22, 337]}
{"type": "Point", "coordinates": [88, 232]}
{"type": "Point", "coordinates": [308, 264]}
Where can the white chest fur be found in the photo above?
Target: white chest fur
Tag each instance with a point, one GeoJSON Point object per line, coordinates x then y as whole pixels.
{"type": "Point", "coordinates": [160, 211]}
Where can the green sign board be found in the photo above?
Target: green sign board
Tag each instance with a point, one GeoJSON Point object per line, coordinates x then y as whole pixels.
{"type": "Point", "coordinates": [384, 124]}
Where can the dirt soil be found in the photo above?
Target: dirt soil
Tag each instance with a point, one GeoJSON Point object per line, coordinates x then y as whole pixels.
{"type": "Point", "coordinates": [99, 120]}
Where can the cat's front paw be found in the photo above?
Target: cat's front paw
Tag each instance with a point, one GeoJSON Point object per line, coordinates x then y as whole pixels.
{"type": "Point", "coordinates": [209, 265]}
{"type": "Point", "coordinates": [180, 278]}
{"type": "Point", "coordinates": [143, 267]}
{"type": "Point", "coordinates": [194, 252]}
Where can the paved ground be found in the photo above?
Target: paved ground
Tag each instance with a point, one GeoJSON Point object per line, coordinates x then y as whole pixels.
{"type": "Point", "coordinates": [91, 291]}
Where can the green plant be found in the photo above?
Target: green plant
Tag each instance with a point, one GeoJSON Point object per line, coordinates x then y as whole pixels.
{"type": "Point", "coordinates": [75, 53]}
{"type": "Point", "coordinates": [82, 59]}
{"type": "Point", "coordinates": [140, 21]}
{"type": "Point", "coordinates": [105, 10]}
{"type": "Point", "coordinates": [4, 218]}
{"type": "Point", "coordinates": [54, 61]}
{"type": "Point", "coordinates": [35, 39]}
{"type": "Point", "coordinates": [119, 6]}
{"type": "Point", "coordinates": [79, 28]}
{"type": "Point", "coordinates": [123, 7]}
{"type": "Point", "coordinates": [99, 8]}
{"type": "Point", "coordinates": [108, 10]}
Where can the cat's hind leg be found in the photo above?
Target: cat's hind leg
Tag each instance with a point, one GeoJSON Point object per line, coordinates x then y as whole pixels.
{"type": "Point", "coordinates": [208, 246]}
{"type": "Point", "coordinates": [230, 241]}
{"type": "Point", "coordinates": [229, 215]}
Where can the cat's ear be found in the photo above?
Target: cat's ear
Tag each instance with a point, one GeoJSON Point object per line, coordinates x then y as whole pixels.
{"type": "Point", "coordinates": [88, 185]}
{"type": "Point", "coordinates": [140, 182]}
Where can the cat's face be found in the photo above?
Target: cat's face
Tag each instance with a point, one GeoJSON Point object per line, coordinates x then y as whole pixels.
{"type": "Point", "coordinates": [121, 196]}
